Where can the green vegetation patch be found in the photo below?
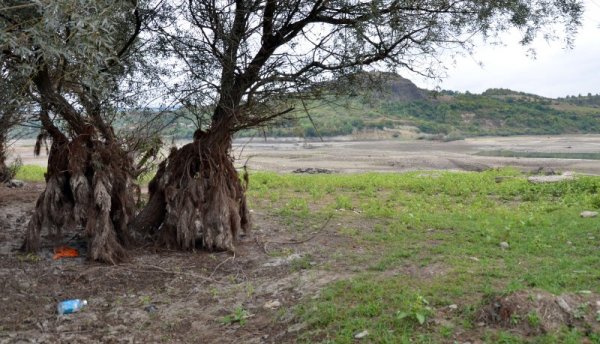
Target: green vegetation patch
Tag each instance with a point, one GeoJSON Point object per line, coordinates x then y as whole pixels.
{"type": "Point", "coordinates": [434, 251]}
{"type": "Point", "coordinates": [31, 173]}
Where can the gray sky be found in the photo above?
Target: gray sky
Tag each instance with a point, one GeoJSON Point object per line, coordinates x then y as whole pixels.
{"type": "Point", "coordinates": [555, 72]}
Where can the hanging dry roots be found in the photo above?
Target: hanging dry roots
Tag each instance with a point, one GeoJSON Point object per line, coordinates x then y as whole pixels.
{"type": "Point", "coordinates": [87, 186]}
{"type": "Point", "coordinates": [5, 173]}
{"type": "Point", "coordinates": [196, 197]}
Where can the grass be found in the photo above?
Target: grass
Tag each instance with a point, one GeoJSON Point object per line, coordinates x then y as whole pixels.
{"type": "Point", "coordinates": [31, 173]}
{"type": "Point", "coordinates": [35, 173]}
{"type": "Point", "coordinates": [433, 241]}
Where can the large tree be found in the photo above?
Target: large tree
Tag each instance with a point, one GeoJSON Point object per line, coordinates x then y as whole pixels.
{"type": "Point", "coordinates": [71, 59]}
{"type": "Point", "coordinates": [245, 62]}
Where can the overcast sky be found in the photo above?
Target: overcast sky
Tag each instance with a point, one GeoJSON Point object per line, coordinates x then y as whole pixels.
{"type": "Point", "coordinates": [555, 72]}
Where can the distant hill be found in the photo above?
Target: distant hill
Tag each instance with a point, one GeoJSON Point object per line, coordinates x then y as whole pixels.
{"type": "Point", "coordinates": [398, 108]}
{"type": "Point", "coordinates": [386, 105]}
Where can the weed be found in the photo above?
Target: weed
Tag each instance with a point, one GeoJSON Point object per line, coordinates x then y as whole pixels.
{"type": "Point", "coordinates": [419, 310]}
{"type": "Point", "coordinates": [145, 300]}
{"type": "Point", "coordinates": [239, 315]}
{"type": "Point", "coordinates": [303, 263]}
{"type": "Point", "coordinates": [29, 258]}
{"type": "Point", "coordinates": [533, 319]}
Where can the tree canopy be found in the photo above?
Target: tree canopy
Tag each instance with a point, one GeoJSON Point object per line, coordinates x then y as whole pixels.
{"type": "Point", "coordinates": [252, 55]}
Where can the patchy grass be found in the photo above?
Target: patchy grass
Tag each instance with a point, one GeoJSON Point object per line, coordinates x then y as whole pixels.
{"type": "Point", "coordinates": [31, 173]}
{"type": "Point", "coordinates": [35, 173]}
{"type": "Point", "coordinates": [433, 240]}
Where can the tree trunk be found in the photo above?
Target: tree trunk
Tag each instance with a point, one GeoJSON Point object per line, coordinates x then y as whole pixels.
{"type": "Point", "coordinates": [196, 197]}
{"type": "Point", "coordinates": [88, 186]}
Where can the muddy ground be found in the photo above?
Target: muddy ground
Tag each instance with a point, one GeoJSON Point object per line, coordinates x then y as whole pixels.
{"type": "Point", "coordinates": [187, 297]}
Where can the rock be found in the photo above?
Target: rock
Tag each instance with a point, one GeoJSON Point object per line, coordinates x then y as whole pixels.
{"type": "Point", "coordinates": [551, 179]}
{"type": "Point", "coordinates": [453, 307]}
{"type": "Point", "coordinates": [564, 305]}
{"type": "Point", "coordinates": [311, 170]}
{"type": "Point", "coordinates": [297, 327]}
{"type": "Point", "coordinates": [361, 335]}
{"type": "Point", "coordinates": [504, 245]}
{"type": "Point", "coordinates": [282, 261]}
{"type": "Point", "coordinates": [588, 214]}
{"type": "Point", "coordinates": [273, 304]}
{"type": "Point", "coordinates": [15, 183]}
{"type": "Point", "coordinates": [151, 308]}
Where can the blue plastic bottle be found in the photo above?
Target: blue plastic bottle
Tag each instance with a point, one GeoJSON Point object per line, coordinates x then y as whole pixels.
{"type": "Point", "coordinates": [70, 306]}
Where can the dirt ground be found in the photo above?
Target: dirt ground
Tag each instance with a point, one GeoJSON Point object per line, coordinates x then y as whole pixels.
{"type": "Point", "coordinates": [160, 296]}
{"type": "Point", "coordinates": [406, 155]}
{"type": "Point", "coordinates": [186, 297]}
{"type": "Point", "coordinates": [344, 154]}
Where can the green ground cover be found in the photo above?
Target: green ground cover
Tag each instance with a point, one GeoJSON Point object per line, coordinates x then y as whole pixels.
{"type": "Point", "coordinates": [31, 173]}
{"type": "Point", "coordinates": [434, 241]}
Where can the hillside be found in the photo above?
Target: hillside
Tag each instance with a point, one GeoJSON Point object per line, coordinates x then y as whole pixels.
{"type": "Point", "coordinates": [400, 108]}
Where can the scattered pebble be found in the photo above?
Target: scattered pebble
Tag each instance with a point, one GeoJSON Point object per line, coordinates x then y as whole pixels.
{"type": "Point", "coordinates": [564, 305]}
{"type": "Point", "coordinates": [361, 335]}
{"type": "Point", "coordinates": [282, 261]}
{"type": "Point", "coordinates": [15, 183]}
{"type": "Point", "coordinates": [272, 304]}
{"type": "Point", "coordinates": [588, 214]}
{"type": "Point", "coordinates": [151, 309]}
{"type": "Point", "coordinates": [551, 179]}
{"type": "Point", "coordinates": [504, 245]}
{"type": "Point", "coordinates": [297, 327]}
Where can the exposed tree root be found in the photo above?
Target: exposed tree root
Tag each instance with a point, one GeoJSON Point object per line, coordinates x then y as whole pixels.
{"type": "Point", "coordinates": [88, 186]}
{"type": "Point", "coordinates": [195, 197]}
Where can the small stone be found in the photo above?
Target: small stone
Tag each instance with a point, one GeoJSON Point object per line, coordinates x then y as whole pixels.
{"type": "Point", "coordinates": [504, 245]}
{"type": "Point", "coordinates": [15, 183]}
{"type": "Point", "coordinates": [453, 307]}
{"type": "Point", "coordinates": [297, 327]}
{"type": "Point", "coordinates": [361, 335]}
{"type": "Point", "coordinates": [564, 305]}
{"type": "Point", "coordinates": [588, 214]}
{"type": "Point", "coordinates": [151, 308]}
{"type": "Point", "coordinates": [273, 304]}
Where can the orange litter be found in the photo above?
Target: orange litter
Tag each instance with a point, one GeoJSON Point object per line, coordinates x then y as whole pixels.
{"type": "Point", "coordinates": [65, 252]}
